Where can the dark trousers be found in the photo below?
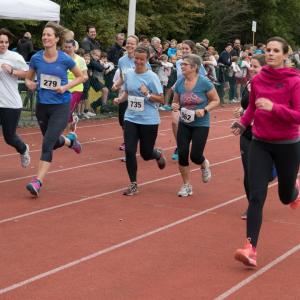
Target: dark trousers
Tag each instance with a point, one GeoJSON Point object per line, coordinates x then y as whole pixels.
{"type": "Point", "coordinates": [9, 118]}
{"type": "Point", "coordinates": [187, 134]}
{"type": "Point", "coordinates": [52, 119]}
{"type": "Point", "coordinates": [134, 133]}
{"type": "Point", "coordinates": [262, 156]}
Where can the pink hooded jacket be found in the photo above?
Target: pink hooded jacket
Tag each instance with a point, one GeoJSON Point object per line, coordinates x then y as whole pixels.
{"type": "Point", "coordinates": [282, 87]}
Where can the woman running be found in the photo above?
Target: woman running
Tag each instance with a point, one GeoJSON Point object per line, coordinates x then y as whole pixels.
{"type": "Point", "coordinates": [188, 47]}
{"type": "Point", "coordinates": [144, 93]}
{"type": "Point", "coordinates": [195, 96]}
{"type": "Point", "coordinates": [125, 64]}
{"type": "Point", "coordinates": [12, 67]}
{"type": "Point", "coordinates": [53, 98]}
{"type": "Point", "coordinates": [274, 108]}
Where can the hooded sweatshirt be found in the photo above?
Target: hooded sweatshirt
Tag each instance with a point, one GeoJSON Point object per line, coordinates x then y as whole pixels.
{"type": "Point", "coordinates": [282, 87]}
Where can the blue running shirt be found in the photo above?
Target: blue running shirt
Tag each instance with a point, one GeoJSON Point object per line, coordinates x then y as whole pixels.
{"type": "Point", "coordinates": [49, 75]}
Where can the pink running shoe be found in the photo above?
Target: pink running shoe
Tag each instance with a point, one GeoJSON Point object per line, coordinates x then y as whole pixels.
{"type": "Point", "coordinates": [122, 147]}
{"type": "Point", "coordinates": [296, 202]}
{"type": "Point", "coordinates": [34, 187]}
{"type": "Point", "coordinates": [76, 146]}
{"type": "Point", "coordinates": [247, 255]}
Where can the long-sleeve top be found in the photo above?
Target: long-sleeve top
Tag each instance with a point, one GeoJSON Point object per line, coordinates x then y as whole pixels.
{"type": "Point", "coordinates": [282, 87]}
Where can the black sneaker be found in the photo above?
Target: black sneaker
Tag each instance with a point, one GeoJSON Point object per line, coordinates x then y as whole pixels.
{"type": "Point", "coordinates": [131, 190]}
{"type": "Point", "coordinates": [161, 161]}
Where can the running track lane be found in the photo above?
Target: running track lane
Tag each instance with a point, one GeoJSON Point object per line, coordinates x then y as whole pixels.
{"type": "Point", "coordinates": [172, 262]}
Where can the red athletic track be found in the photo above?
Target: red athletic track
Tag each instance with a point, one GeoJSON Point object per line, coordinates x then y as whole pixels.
{"type": "Point", "coordinates": [82, 239]}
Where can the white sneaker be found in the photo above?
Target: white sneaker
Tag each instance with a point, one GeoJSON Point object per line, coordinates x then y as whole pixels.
{"type": "Point", "coordinates": [90, 114]}
{"type": "Point", "coordinates": [73, 125]}
{"type": "Point", "coordinates": [25, 158]}
{"type": "Point", "coordinates": [185, 190]}
{"type": "Point", "coordinates": [206, 172]}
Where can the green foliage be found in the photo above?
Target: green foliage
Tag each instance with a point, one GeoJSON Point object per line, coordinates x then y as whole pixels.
{"type": "Point", "coordinates": [218, 20]}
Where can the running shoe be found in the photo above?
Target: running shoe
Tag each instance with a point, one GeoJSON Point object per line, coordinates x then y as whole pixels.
{"type": "Point", "coordinates": [244, 215]}
{"type": "Point", "coordinates": [75, 145]}
{"type": "Point", "coordinates": [73, 125]}
{"type": "Point", "coordinates": [161, 161]}
{"type": "Point", "coordinates": [34, 187]}
{"type": "Point", "coordinates": [25, 157]}
{"type": "Point", "coordinates": [296, 202]}
{"type": "Point", "coordinates": [206, 172]}
{"type": "Point", "coordinates": [122, 147]}
{"type": "Point", "coordinates": [131, 190]}
{"type": "Point", "coordinates": [90, 114]}
{"type": "Point", "coordinates": [185, 191]}
{"type": "Point", "coordinates": [247, 255]}
{"type": "Point", "coordinates": [167, 107]}
{"type": "Point", "coordinates": [175, 155]}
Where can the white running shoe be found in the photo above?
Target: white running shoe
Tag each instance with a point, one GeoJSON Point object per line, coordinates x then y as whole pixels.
{"type": "Point", "coordinates": [73, 125]}
{"type": "Point", "coordinates": [185, 190]}
{"type": "Point", "coordinates": [206, 172]}
{"type": "Point", "coordinates": [25, 158]}
{"type": "Point", "coordinates": [90, 114]}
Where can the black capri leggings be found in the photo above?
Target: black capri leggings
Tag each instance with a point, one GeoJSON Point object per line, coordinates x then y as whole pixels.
{"type": "Point", "coordinates": [198, 136]}
{"type": "Point", "coordinates": [262, 155]}
{"type": "Point", "coordinates": [146, 134]}
{"type": "Point", "coordinates": [121, 112]}
{"type": "Point", "coordinates": [9, 118]}
{"type": "Point", "coordinates": [52, 119]}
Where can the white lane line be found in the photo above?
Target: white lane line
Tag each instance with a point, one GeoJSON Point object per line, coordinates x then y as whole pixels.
{"type": "Point", "coordinates": [100, 162]}
{"type": "Point", "coordinates": [260, 272]}
{"type": "Point", "coordinates": [114, 247]}
{"type": "Point", "coordinates": [103, 194]}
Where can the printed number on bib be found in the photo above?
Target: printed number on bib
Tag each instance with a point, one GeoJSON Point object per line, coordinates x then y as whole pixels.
{"type": "Point", "coordinates": [136, 103]}
{"type": "Point", "coordinates": [49, 82]}
{"type": "Point", "coordinates": [187, 115]}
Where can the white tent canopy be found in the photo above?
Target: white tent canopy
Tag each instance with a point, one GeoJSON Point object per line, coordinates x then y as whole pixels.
{"type": "Point", "coordinates": [43, 10]}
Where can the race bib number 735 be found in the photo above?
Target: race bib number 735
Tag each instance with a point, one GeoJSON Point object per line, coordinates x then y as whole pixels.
{"type": "Point", "coordinates": [136, 103]}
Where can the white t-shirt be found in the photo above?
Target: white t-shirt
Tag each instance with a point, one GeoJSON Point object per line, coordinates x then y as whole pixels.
{"type": "Point", "coordinates": [9, 94]}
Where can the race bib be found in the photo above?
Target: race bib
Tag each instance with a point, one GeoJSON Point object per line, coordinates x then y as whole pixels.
{"type": "Point", "coordinates": [49, 82]}
{"type": "Point", "coordinates": [187, 115]}
{"type": "Point", "coordinates": [136, 103]}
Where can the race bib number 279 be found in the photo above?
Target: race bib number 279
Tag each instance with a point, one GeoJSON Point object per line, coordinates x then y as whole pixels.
{"type": "Point", "coordinates": [49, 82]}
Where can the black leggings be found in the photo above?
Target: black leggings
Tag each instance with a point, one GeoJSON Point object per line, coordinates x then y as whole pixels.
{"type": "Point", "coordinates": [198, 136]}
{"type": "Point", "coordinates": [121, 112]}
{"type": "Point", "coordinates": [262, 156]}
{"type": "Point", "coordinates": [52, 119]}
{"type": "Point", "coordinates": [9, 118]}
{"type": "Point", "coordinates": [146, 134]}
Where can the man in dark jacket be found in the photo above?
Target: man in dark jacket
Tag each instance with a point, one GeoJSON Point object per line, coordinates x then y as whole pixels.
{"type": "Point", "coordinates": [115, 52]}
{"type": "Point", "coordinates": [90, 42]}
{"type": "Point", "coordinates": [25, 46]}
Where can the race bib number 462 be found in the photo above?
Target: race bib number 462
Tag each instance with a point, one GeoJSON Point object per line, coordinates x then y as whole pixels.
{"type": "Point", "coordinates": [187, 115]}
{"type": "Point", "coordinates": [49, 82]}
{"type": "Point", "coordinates": [136, 103]}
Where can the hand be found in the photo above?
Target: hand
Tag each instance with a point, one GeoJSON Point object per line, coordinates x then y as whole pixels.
{"type": "Point", "coordinates": [238, 112]}
{"type": "Point", "coordinates": [175, 106]}
{"type": "Point", "coordinates": [200, 113]}
{"type": "Point", "coordinates": [115, 87]}
{"type": "Point", "coordinates": [264, 104]}
{"type": "Point", "coordinates": [144, 89]}
{"type": "Point", "coordinates": [237, 128]}
{"type": "Point", "coordinates": [61, 89]}
{"type": "Point", "coordinates": [31, 85]}
{"type": "Point", "coordinates": [7, 68]}
{"type": "Point", "coordinates": [116, 101]}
